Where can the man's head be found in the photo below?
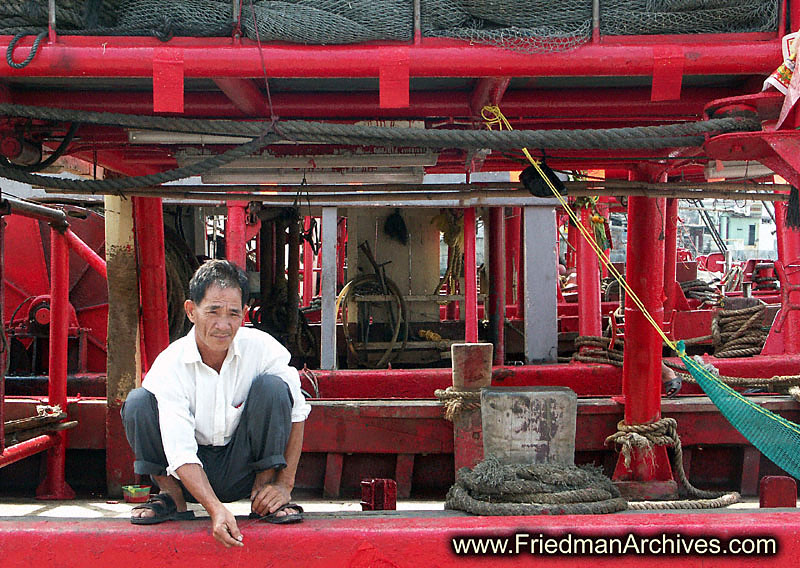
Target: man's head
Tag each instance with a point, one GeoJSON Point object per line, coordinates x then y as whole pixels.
{"type": "Point", "coordinates": [217, 295]}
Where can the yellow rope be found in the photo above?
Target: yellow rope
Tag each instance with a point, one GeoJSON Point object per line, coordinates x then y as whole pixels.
{"type": "Point", "coordinates": [494, 117]}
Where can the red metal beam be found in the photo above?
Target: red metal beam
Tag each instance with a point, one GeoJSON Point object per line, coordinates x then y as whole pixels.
{"type": "Point", "coordinates": [54, 485]}
{"type": "Point", "coordinates": [28, 448]}
{"type": "Point", "coordinates": [84, 251]}
{"type": "Point", "coordinates": [470, 278]}
{"type": "Point", "coordinates": [573, 104]}
{"type": "Point", "coordinates": [84, 56]}
{"type": "Point", "coordinates": [149, 219]}
{"type": "Point", "coordinates": [245, 95]}
{"type": "Point", "coordinates": [406, 541]}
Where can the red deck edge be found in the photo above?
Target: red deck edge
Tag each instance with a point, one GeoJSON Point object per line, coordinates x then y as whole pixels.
{"type": "Point", "coordinates": [397, 540]}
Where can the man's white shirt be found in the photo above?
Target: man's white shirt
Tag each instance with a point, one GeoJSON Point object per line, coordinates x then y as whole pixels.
{"type": "Point", "coordinates": [196, 405]}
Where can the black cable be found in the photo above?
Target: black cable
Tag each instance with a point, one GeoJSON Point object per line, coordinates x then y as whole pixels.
{"type": "Point", "coordinates": [57, 153]}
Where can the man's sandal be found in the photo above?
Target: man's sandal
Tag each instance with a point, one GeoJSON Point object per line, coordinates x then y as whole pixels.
{"type": "Point", "coordinates": [276, 519]}
{"type": "Point", "coordinates": [164, 509]}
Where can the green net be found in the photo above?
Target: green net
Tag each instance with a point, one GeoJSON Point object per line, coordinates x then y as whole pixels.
{"type": "Point", "coordinates": [532, 26]}
{"type": "Point", "coordinates": [774, 436]}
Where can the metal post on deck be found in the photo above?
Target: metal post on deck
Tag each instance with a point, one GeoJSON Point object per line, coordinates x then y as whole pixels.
{"type": "Point", "coordinates": [308, 266]}
{"type": "Point", "coordinates": [590, 320]}
{"type": "Point", "coordinates": [149, 223]}
{"type": "Point", "coordinates": [670, 257]}
{"type": "Point", "coordinates": [540, 282]}
{"type": "Point", "coordinates": [329, 257]}
{"type": "Point", "coordinates": [497, 282]}
{"type": "Point", "coordinates": [235, 233]}
{"type": "Point", "coordinates": [470, 278]}
{"type": "Point", "coordinates": [54, 485]}
{"type": "Point", "coordinates": [649, 474]}
{"type": "Point", "coordinates": [512, 254]}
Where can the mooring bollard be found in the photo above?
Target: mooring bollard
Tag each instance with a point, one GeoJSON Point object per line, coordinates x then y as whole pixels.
{"type": "Point", "coordinates": [472, 370]}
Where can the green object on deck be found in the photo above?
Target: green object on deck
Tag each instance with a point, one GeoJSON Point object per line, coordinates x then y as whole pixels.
{"type": "Point", "coordinates": [774, 436]}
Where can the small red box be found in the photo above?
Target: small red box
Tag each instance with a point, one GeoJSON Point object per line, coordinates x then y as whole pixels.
{"type": "Point", "coordinates": [777, 491]}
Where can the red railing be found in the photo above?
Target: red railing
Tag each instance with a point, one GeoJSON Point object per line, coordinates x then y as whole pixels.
{"type": "Point", "coordinates": [61, 240]}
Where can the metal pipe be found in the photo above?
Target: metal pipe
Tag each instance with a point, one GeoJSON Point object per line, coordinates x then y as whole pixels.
{"type": "Point", "coordinates": [590, 320]}
{"type": "Point", "coordinates": [417, 23]}
{"type": "Point", "coordinates": [292, 278]}
{"type": "Point", "coordinates": [94, 260]}
{"type": "Point", "coordinates": [497, 284]}
{"type": "Point", "coordinates": [235, 234]}
{"type": "Point", "coordinates": [308, 266]}
{"type": "Point", "coordinates": [28, 448]}
{"type": "Point", "coordinates": [149, 223]}
{"type": "Point", "coordinates": [670, 257]}
{"type": "Point", "coordinates": [644, 268]}
{"type": "Point", "coordinates": [595, 21]}
{"type": "Point", "coordinates": [5, 347]}
{"type": "Point", "coordinates": [55, 217]}
{"type": "Point", "coordinates": [452, 312]}
{"type": "Point", "coordinates": [470, 278]}
{"type": "Point", "coordinates": [82, 57]}
{"type": "Point", "coordinates": [55, 486]}
{"type": "Point", "coordinates": [512, 228]}
{"type": "Point", "coordinates": [788, 254]}
{"type": "Point", "coordinates": [51, 20]}
{"type": "Point", "coordinates": [521, 252]}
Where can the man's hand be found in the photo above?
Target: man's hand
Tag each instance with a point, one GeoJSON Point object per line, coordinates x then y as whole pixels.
{"type": "Point", "coordinates": [224, 528]}
{"type": "Point", "coordinates": [268, 498]}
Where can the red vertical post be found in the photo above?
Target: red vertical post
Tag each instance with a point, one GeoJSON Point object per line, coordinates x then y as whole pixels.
{"type": "Point", "coordinates": [308, 266]}
{"type": "Point", "coordinates": [649, 474]}
{"type": "Point", "coordinates": [4, 353]}
{"type": "Point", "coordinates": [452, 312]}
{"type": "Point", "coordinates": [520, 268]}
{"type": "Point", "coordinates": [235, 233]}
{"type": "Point", "coordinates": [788, 254]}
{"type": "Point", "coordinates": [470, 278]}
{"type": "Point", "coordinates": [512, 248]}
{"type": "Point", "coordinates": [590, 320]}
{"type": "Point", "coordinates": [149, 224]}
{"type": "Point", "coordinates": [670, 257]}
{"type": "Point", "coordinates": [497, 284]}
{"type": "Point", "coordinates": [341, 251]}
{"type": "Point", "coordinates": [572, 245]}
{"type": "Point", "coordinates": [54, 485]}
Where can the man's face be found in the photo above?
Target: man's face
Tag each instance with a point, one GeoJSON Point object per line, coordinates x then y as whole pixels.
{"type": "Point", "coordinates": [216, 318]}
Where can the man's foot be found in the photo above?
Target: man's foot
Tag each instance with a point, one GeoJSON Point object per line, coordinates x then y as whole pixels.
{"type": "Point", "coordinates": [159, 508]}
{"type": "Point", "coordinates": [169, 487]}
{"type": "Point", "coordinates": [284, 515]}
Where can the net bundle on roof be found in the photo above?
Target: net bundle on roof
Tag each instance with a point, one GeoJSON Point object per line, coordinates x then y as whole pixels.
{"type": "Point", "coordinates": [534, 26]}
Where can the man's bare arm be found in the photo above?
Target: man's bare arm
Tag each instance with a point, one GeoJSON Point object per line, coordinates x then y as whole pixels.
{"type": "Point", "coordinates": [223, 523]}
{"type": "Point", "coordinates": [271, 491]}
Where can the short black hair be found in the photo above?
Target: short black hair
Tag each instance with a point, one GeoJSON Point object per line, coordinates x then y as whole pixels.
{"type": "Point", "coordinates": [223, 273]}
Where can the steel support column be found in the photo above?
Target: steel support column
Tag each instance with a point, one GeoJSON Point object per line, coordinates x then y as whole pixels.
{"type": "Point", "coordinates": [540, 283]}
{"type": "Point", "coordinates": [328, 327]}
{"type": "Point", "coordinates": [497, 284]}
{"type": "Point", "coordinates": [235, 234]}
{"type": "Point", "coordinates": [470, 278]}
{"type": "Point", "coordinates": [590, 321]}
{"type": "Point", "coordinates": [54, 485]}
{"type": "Point", "coordinates": [149, 222]}
{"type": "Point", "coordinates": [670, 257]}
{"type": "Point", "coordinates": [649, 473]}
{"type": "Point", "coordinates": [511, 254]}
{"type": "Point", "coordinates": [94, 260]}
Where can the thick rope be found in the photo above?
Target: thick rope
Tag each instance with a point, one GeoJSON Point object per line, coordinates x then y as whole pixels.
{"type": "Point", "coordinates": [457, 401]}
{"type": "Point", "coordinates": [664, 136]}
{"type": "Point", "coordinates": [739, 333]}
{"type": "Point", "coordinates": [664, 432]}
{"type": "Point", "coordinates": [492, 488]}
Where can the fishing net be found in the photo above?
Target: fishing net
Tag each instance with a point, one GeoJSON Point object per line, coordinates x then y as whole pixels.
{"type": "Point", "coordinates": [532, 26]}
{"type": "Point", "coordinates": [774, 436]}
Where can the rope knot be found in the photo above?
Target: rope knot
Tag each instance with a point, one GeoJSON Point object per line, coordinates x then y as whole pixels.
{"type": "Point", "coordinates": [457, 401]}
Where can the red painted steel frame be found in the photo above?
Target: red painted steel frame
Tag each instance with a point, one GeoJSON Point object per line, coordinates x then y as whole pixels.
{"type": "Point", "coordinates": [28, 448]}
{"type": "Point", "coordinates": [84, 251]}
{"type": "Point", "coordinates": [497, 284]}
{"type": "Point", "coordinates": [366, 539]}
{"type": "Point", "coordinates": [149, 220]}
{"type": "Point", "coordinates": [54, 486]}
{"type": "Point", "coordinates": [470, 278]}
{"type": "Point", "coordinates": [589, 317]}
{"type": "Point", "coordinates": [76, 56]}
{"type": "Point", "coordinates": [670, 257]}
{"type": "Point", "coordinates": [235, 233]}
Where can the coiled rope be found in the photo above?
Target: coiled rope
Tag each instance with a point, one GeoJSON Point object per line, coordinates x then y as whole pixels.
{"type": "Point", "coordinates": [739, 333]}
{"type": "Point", "coordinates": [664, 432]}
{"type": "Point", "coordinates": [491, 488]}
